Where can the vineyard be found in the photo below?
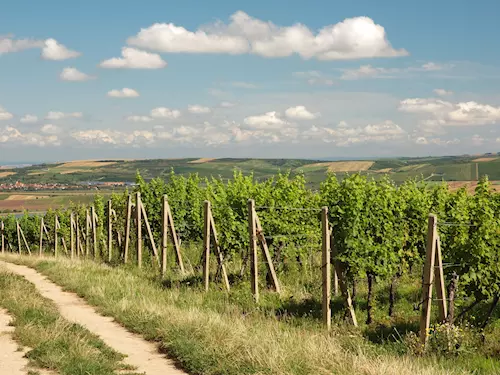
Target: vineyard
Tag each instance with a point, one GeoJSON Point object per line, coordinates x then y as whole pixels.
{"type": "Point", "coordinates": [378, 233]}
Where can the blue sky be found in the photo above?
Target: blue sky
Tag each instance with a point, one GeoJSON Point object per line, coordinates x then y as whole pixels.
{"type": "Point", "coordinates": [247, 79]}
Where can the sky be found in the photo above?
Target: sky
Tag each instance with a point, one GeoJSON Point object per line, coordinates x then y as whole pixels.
{"type": "Point", "coordinates": [267, 79]}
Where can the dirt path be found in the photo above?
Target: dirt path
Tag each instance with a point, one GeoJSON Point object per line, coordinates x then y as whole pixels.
{"type": "Point", "coordinates": [140, 353]}
{"type": "Point", "coordinates": [12, 359]}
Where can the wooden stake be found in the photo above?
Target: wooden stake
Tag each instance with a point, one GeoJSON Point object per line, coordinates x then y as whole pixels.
{"type": "Point", "coordinates": [139, 228]}
{"type": "Point", "coordinates": [72, 235]}
{"type": "Point", "coordinates": [2, 229]}
{"type": "Point", "coordinates": [326, 271]}
{"type": "Point", "coordinates": [175, 239]}
{"type": "Point", "coordinates": [127, 228]}
{"type": "Point", "coordinates": [41, 237]}
{"type": "Point", "coordinates": [267, 255]}
{"type": "Point", "coordinates": [79, 250]}
{"type": "Point", "coordinates": [254, 261]}
{"type": "Point", "coordinates": [110, 231]}
{"type": "Point", "coordinates": [346, 295]}
{"type": "Point", "coordinates": [430, 257]}
{"type": "Point", "coordinates": [62, 237]}
{"type": "Point", "coordinates": [206, 244]}
{"type": "Point", "coordinates": [95, 245]}
{"type": "Point", "coordinates": [24, 240]}
{"type": "Point", "coordinates": [150, 234]}
{"type": "Point", "coordinates": [87, 233]}
{"type": "Point", "coordinates": [439, 282]}
{"type": "Point", "coordinates": [18, 237]}
{"type": "Point", "coordinates": [219, 254]}
{"type": "Point", "coordinates": [164, 236]}
{"type": "Point", "coordinates": [55, 236]}
{"type": "Point", "coordinates": [335, 282]}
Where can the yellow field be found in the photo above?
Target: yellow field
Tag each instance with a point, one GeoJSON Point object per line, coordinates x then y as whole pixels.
{"type": "Point", "coordinates": [484, 159]}
{"type": "Point", "coordinates": [85, 164]}
{"type": "Point", "coordinates": [413, 167]}
{"type": "Point", "coordinates": [68, 171]}
{"type": "Point", "coordinates": [343, 166]}
{"type": "Point", "coordinates": [202, 160]}
{"type": "Point", "coordinates": [6, 174]}
{"type": "Point", "coordinates": [385, 170]}
{"type": "Point", "coordinates": [22, 197]}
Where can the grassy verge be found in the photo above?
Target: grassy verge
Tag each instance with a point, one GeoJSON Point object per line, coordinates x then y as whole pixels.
{"type": "Point", "coordinates": [56, 343]}
{"type": "Point", "coordinates": [213, 334]}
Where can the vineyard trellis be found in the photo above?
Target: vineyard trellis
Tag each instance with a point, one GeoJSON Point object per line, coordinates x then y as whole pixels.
{"type": "Point", "coordinates": [364, 229]}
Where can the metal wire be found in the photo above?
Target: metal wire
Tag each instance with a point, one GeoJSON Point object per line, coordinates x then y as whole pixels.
{"type": "Point", "coordinates": [288, 208]}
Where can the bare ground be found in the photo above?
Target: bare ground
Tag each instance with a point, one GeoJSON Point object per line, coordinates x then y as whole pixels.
{"type": "Point", "coordinates": [140, 353]}
{"type": "Point", "coordinates": [12, 359]}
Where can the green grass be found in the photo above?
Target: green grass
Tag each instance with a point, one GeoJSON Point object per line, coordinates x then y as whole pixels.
{"type": "Point", "coordinates": [55, 343]}
{"type": "Point", "coordinates": [220, 333]}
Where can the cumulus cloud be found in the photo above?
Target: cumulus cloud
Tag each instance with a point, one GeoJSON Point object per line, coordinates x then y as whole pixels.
{"type": "Point", "coordinates": [50, 129]}
{"type": "Point", "coordinates": [444, 113]}
{"type": "Point", "coordinates": [198, 109]}
{"type": "Point", "coordinates": [227, 104]}
{"type": "Point", "coordinates": [10, 45]}
{"type": "Point", "coordinates": [135, 59]}
{"type": "Point", "coordinates": [4, 115]}
{"type": "Point", "coordinates": [136, 118]}
{"type": "Point", "coordinates": [53, 50]}
{"type": "Point", "coordinates": [300, 113]}
{"type": "Point", "coordinates": [165, 113]}
{"type": "Point", "coordinates": [367, 71]}
{"type": "Point", "coordinates": [442, 92]}
{"type": "Point", "coordinates": [135, 138]}
{"type": "Point", "coordinates": [123, 93]}
{"type": "Point", "coordinates": [315, 77]}
{"type": "Point", "coordinates": [73, 74]}
{"type": "Point", "coordinates": [29, 119]}
{"type": "Point", "coordinates": [12, 136]}
{"type": "Point", "coordinates": [353, 38]}
{"type": "Point", "coordinates": [436, 141]}
{"type": "Point", "coordinates": [267, 121]}
{"type": "Point", "coordinates": [55, 115]}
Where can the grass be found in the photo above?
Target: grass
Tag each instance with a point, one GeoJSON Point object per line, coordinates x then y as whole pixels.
{"type": "Point", "coordinates": [56, 344]}
{"type": "Point", "coordinates": [220, 333]}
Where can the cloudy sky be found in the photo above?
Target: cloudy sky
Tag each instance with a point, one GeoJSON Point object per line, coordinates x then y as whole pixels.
{"type": "Point", "coordinates": [280, 78]}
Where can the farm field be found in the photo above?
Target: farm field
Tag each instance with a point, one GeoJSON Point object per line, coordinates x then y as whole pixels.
{"type": "Point", "coordinates": [449, 168]}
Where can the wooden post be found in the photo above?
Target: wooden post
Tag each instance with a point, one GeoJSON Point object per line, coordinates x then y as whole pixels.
{"type": "Point", "coordinates": [139, 228]}
{"type": "Point", "coordinates": [2, 229]}
{"type": "Point", "coordinates": [219, 253]}
{"type": "Point", "coordinates": [78, 241]}
{"type": "Point", "coordinates": [42, 225]}
{"type": "Point", "coordinates": [339, 269]}
{"type": "Point", "coordinates": [254, 261]}
{"type": "Point", "coordinates": [127, 228]}
{"type": "Point", "coordinates": [87, 233]}
{"type": "Point", "coordinates": [55, 236]}
{"type": "Point", "coordinates": [110, 232]}
{"type": "Point", "coordinates": [18, 228]}
{"type": "Point", "coordinates": [335, 282]}
{"type": "Point", "coordinates": [150, 234]}
{"type": "Point", "coordinates": [164, 236]}
{"type": "Point", "coordinates": [477, 171]}
{"type": "Point", "coordinates": [267, 255]}
{"type": "Point", "coordinates": [175, 239]}
{"type": "Point", "coordinates": [72, 234]}
{"type": "Point", "coordinates": [93, 221]}
{"type": "Point", "coordinates": [439, 282]}
{"type": "Point", "coordinates": [430, 257]}
{"type": "Point", "coordinates": [24, 239]}
{"type": "Point", "coordinates": [326, 274]}
{"type": "Point", "coordinates": [206, 244]}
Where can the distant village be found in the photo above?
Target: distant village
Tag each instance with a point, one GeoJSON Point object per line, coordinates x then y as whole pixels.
{"type": "Point", "coordinates": [90, 185]}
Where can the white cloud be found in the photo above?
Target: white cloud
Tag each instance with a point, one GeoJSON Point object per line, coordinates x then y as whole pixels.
{"type": "Point", "coordinates": [227, 104]}
{"type": "Point", "coordinates": [477, 140]}
{"type": "Point", "coordinates": [53, 50]}
{"type": "Point", "coordinates": [267, 121]}
{"type": "Point", "coordinates": [10, 45]}
{"type": "Point", "coordinates": [135, 59]}
{"type": "Point", "coordinates": [431, 66]}
{"type": "Point", "coordinates": [55, 115]}
{"type": "Point", "coordinates": [300, 113]}
{"type": "Point", "coordinates": [136, 118]}
{"type": "Point", "coordinates": [198, 109]}
{"type": "Point", "coordinates": [73, 74]}
{"type": "Point", "coordinates": [367, 71]}
{"type": "Point", "coordinates": [12, 136]}
{"type": "Point", "coordinates": [244, 85]}
{"type": "Point", "coordinates": [135, 138]}
{"type": "Point", "coordinates": [436, 141]}
{"type": "Point", "coordinates": [50, 129]}
{"type": "Point", "coordinates": [4, 115]}
{"type": "Point", "coordinates": [123, 93]}
{"type": "Point", "coordinates": [352, 38]}
{"type": "Point", "coordinates": [443, 113]}
{"type": "Point", "coordinates": [442, 92]}
{"type": "Point", "coordinates": [29, 119]}
{"type": "Point", "coordinates": [315, 77]}
{"type": "Point", "coordinates": [166, 113]}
